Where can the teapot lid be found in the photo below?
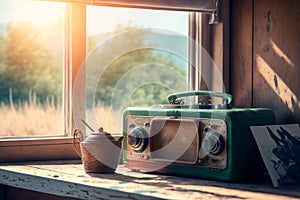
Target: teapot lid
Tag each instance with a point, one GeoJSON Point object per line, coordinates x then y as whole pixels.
{"type": "Point", "coordinates": [99, 136]}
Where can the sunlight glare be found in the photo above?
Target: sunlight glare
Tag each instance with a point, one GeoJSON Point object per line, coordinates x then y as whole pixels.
{"type": "Point", "coordinates": [281, 54]}
{"type": "Point", "coordinates": [268, 74]}
{"type": "Point", "coordinates": [39, 13]}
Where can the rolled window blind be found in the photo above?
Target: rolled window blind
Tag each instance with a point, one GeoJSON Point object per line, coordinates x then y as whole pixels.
{"type": "Point", "coordinates": [209, 6]}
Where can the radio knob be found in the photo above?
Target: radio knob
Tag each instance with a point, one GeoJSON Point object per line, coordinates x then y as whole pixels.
{"type": "Point", "coordinates": [138, 139]}
{"type": "Point", "coordinates": [213, 144]}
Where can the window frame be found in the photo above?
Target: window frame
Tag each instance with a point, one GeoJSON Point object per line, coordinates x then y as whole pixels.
{"type": "Point", "coordinates": [56, 148]}
{"type": "Point", "coordinates": [210, 37]}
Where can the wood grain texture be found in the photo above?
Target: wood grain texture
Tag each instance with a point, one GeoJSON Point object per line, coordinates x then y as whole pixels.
{"type": "Point", "coordinates": [276, 58]}
{"type": "Point", "coordinates": [68, 179]}
{"type": "Point", "coordinates": [241, 53]}
{"type": "Point", "coordinates": [217, 53]}
{"type": "Point", "coordinates": [77, 67]}
{"type": "Point", "coordinates": [37, 149]}
{"type": "Point", "coordinates": [220, 49]}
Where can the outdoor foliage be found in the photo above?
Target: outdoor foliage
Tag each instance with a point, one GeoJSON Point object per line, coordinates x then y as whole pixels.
{"type": "Point", "coordinates": [28, 64]}
{"type": "Point", "coordinates": [31, 67]}
{"type": "Point", "coordinates": [31, 61]}
{"type": "Point", "coordinates": [125, 55]}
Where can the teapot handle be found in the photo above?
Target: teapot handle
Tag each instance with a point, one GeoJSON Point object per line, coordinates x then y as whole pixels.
{"type": "Point", "coordinates": [77, 137]}
{"type": "Point", "coordinates": [120, 140]}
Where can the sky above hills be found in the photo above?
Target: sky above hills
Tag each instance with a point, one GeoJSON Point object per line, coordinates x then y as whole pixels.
{"type": "Point", "coordinates": [99, 19]}
{"type": "Point", "coordinates": [107, 18]}
{"type": "Point", "coordinates": [173, 26]}
{"type": "Point", "coordinates": [30, 10]}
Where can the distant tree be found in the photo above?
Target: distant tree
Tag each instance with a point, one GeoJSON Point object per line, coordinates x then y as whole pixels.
{"type": "Point", "coordinates": [27, 54]}
{"type": "Point", "coordinates": [27, 64]}
{"type": "Point", "coordinates": [112, 59]}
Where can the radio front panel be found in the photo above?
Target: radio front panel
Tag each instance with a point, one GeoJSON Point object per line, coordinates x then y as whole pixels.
{"type": "Point", "coordinates": [189, 141]}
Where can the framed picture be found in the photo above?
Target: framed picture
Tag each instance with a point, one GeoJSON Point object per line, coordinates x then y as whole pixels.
{"type": "Point", "coordinates": [279, 146]}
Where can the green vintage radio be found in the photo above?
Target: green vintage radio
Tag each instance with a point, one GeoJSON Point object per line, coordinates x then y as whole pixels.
{"type": "Point", "coordinates": [202, 140]}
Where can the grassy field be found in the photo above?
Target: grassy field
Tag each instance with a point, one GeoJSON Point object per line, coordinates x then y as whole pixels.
{"type": "Point", "coordinates": [33, 119]}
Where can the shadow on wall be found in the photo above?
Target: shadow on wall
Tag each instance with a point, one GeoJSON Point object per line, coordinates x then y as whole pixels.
{"type": "Point", "coordinates": [276, 59]}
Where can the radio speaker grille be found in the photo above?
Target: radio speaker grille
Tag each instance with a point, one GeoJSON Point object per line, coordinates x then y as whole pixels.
{"type": "Point", "coordinates": [174, 140]}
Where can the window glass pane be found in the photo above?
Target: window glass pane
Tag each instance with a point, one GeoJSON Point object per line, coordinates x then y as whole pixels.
{"type": "Point", "coordinates": [31, 68]}
{"type": "Point", "coordinates": [136, 57]}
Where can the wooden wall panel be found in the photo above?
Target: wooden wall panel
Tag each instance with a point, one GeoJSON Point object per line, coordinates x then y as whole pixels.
{"type": "Point", "coordinates": [217, 72]}
{"type": "Point", "coordinates": [241, 53]}
{"type": "Point", "coordinates": [276, 58]}
{"type": "Point", "coordinates": [219, 50]}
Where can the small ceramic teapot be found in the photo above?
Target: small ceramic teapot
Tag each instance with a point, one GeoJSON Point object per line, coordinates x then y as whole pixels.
{"type": "Point", "coordinates": [100, 151]}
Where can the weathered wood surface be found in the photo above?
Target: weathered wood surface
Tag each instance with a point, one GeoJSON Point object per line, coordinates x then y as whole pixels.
{"type": "Point", "coordinates": [265, 62]}
{"type": "Point", "coordinates": [276, 58]}
{"type": "Point", "coordinates": [37, 149]}
{"type": "Point", "coordinates": [67, 178]}
{"type": "Point", "coordinates": [241, 52]}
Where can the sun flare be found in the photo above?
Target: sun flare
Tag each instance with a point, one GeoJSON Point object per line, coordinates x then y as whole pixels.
{"type": "Point", "coordinates": [37, 12]}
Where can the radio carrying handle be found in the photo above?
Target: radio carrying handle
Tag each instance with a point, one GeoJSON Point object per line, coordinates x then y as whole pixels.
{"type": "Point", "coordinates": [172, 98]}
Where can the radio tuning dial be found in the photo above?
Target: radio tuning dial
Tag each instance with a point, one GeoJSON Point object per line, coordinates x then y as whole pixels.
{"type": "Point", "coordinates": [213, 144]}
{"type": "Point", "coordinates": [138, 139]}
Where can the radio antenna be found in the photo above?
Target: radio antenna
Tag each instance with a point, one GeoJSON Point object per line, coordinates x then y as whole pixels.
{"type": "Point", "coordinates": [87, 125]}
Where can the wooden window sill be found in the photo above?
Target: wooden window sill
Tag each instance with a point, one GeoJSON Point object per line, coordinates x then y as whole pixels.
{"type": "Point", "coordinates": [68, 179]}
{"type": "Point", "coordinates": [54, 148]}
